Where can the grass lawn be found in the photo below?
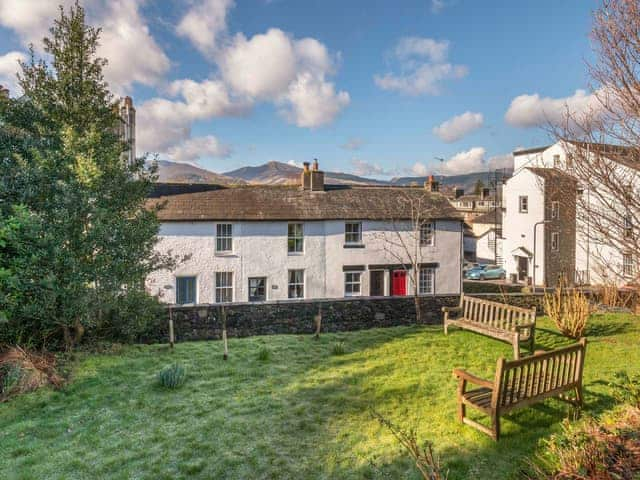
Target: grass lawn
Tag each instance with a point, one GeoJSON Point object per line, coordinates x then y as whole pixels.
{"type": "Point", "coordinates": [303, 414]}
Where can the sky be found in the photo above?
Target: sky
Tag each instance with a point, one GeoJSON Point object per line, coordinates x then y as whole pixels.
{"type": "Point", "coordinates": [379, 88]}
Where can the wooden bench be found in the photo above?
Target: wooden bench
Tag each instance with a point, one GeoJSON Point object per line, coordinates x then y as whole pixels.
{"type": "Point", "coordinates": [514, 325]}
{"type": "Point", "coordinates": [520, 383]}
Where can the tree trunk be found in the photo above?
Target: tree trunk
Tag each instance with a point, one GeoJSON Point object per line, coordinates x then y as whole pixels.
{"type": "Point", "coordinates": [416, 299]}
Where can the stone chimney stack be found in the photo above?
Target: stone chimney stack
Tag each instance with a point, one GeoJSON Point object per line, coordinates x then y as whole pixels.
{"type": "Point", "coordinates": [432, 184]}
{"type": "Point", "coordinates": [486, 193]}
{"type": "Point", "coordinates": [459, 192]}
{"type": "Point", "coordinates": [317, 177]}
{"type": "Point", "coordinates": [305, 177]}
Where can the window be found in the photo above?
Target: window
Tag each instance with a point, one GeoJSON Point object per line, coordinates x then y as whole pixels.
{"type": "Point", "coordinates": [353, 233]}
{"type": "Point", "coordinates": [627, 264]}
{"type": "Point", "coordinates": [556, 161]}
{"type": "Point", "coordinates": [491, 239]}
{"type": "Point", "coordinates": [224, 237]}
{"type": "Point", "coordinates": [352, 284]}
{"type": "Point", "coordinates": [185, 290]}
{"type": "Point", "coordinates": [224, 287]}
{"type": "Point", "coordinates": [295, 238]}
{"type": "Point", "coordinates": [257, 289]}
{"type": "Point", "coordinates": [628, 226]}
{"type": "Point", "coordinates": [555, 209]}
{"type": "Point", "coordinates": [524, 204]}
{"type": "Point", "coordinates": [555, 241]}
{"type": "Point", "coordinates": [427, 234]}
{"type": "Point", "coordinates": [426, 281]}
{"type": "Point", "coordinates": [296, 283]}
{"type": "Point", "coordinates": [569, 161]}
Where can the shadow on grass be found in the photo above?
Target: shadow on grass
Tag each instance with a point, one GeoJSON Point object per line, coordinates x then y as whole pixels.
{"type": "Point", "coordinates": [604, 328]}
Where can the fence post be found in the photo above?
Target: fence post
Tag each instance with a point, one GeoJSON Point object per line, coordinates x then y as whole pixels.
{"type": "Point", "coordinates": [171, 334]}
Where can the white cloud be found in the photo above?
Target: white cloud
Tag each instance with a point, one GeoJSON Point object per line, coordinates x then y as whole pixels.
{"type": "Point", "coordinates": [363, 168]}
{"type": "Point", "coordinates": [353, 143]}
{"type": "Point", "coordinates": [9, 66]}
{"type": "Point", "coordinates": [126, 42]}
{"type": "Point", "coordinates": [457, 127]}
{"type": "Point", "coordinates": [205, 23]}
{"type": "Point", "coordinates": [419, 170]}
{"type": "Point", "coordinates": [424, 67]}
{"type": "Point", "coordinates": [534, 111]}
{"type": "Point", "coordinates": [500, 161]}
{"type": "Point", "coordinates": [437, 6]}
{"type": "Point", "coordinates": [193, 149]}
{"type": "Point", "coordinates": [465, 162]}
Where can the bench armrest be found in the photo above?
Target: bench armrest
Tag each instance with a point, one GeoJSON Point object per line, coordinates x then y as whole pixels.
{"type": "Point", "coordinates": [451, 309]}
{"type": "Point", "coordinates": [464, 375]}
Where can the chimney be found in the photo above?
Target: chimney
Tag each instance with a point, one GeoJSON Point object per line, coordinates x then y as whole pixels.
{"type": "Point", "coordinates": [306, 176]}
{"type": "Point", "coordinates": [459, 192]}
{"type": "Point", "coordinates": [432, 184]}
{"type": "Point", "coordinates": [486, 192]}
{"type": "Point", "coordinates": [317, 177]}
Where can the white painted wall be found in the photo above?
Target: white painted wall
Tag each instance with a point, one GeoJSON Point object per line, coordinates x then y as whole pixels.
{"type": "Point", "coordinates": [260, 250]}
{"type": "Point", "coordinates": [517, 227]}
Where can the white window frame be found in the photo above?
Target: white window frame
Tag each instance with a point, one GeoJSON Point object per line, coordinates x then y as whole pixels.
{"type": "Point", "coordinates": [627, 226]}
{"type": "Point", "coordinates": [352, 279]}
{"type": "Point", "coordinates": [429, 274]}
{"type": "Point", "coordinates": [428, 234]}
{"type": "Point", "coordinates": [556, 161]}
{"type": "Point", "coordinates": [296, 284]}
{"type": "Point", "coordinates": [628, 266]}
{"type": "Point", "coordinates": [555, 209]}
{"type": "Point", "coordinates": [295, 238]}
{"type": "Point", "coordinates": [348, 235]}
{"type": "Point", "coordinates": [224, 287]}
{"type": "Point", "coordinates": [525, 208]}
{"type": "Point", "coordinates": [555, 241]}
{"type": "Point", "coordinates": [224, 237]}
{"type": "Point", "coordinates": [195, 289]}
{"type": "Point", "coordinates": [254, 299]}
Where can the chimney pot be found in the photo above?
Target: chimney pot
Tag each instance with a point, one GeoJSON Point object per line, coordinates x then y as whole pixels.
{"type": "Point", "coordinates": [315, 165]}
{"type": "Point", "coordinates": [432, 184]}
{"type": "Point", "coordinates": [305, 166]}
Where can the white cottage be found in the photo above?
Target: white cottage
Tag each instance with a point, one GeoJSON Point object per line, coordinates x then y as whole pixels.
{"type": "Point", "coordinates": [265, 243]}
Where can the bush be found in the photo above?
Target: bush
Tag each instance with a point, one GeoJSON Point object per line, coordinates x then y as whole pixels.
{"type": "Point", "coordinates": [569, 310]}
{"type": "Point", "coordinates": [626, 389]}
{"type": "Point", "coordinates": [264, 354]}
{"type": "Point", "coordinates": [172, 376]}
{"type": "Point", "coordinates": [10, 375]}
{"type": "Point", "coordinates": [24, 371]}
{"type": "Point", "coordinates": [338, 348]}
{"type": "Point", "coordinates": [603, 449]}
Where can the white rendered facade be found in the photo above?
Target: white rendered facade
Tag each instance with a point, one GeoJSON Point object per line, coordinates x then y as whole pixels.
{"type": "Point", "coordinates": [260, 250]}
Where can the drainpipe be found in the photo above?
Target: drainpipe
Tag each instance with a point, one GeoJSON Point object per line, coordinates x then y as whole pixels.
{"type": "Point", "coordinates": [535, 228]}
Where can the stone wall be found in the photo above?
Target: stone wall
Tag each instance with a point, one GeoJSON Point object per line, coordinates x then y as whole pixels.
{"type": "Point", "coordinates": [202, 322]}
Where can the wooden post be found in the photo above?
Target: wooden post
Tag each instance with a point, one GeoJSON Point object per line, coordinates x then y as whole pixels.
{"type": "Point", "coordinates": [318, 321]}
{"type": "Point", "coordinates": [223, 315]}
{"type": "Point", "coordinates": [171, 333]}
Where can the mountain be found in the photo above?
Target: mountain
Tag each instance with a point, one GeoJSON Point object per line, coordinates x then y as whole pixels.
{"type": "Point", "coordinates": [278, 173]}
{"type": "Point", "coordinates": [173, 172]}
{"type": "Point", "coordinates": [467, 181]}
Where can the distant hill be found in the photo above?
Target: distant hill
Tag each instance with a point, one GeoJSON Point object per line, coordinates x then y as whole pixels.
{"type": "Point", "coordinates": [185, 173]}
{"type": "Point", "coordinates": [278, 173]}
{"type": "Point", "coordinates": [467, 181]}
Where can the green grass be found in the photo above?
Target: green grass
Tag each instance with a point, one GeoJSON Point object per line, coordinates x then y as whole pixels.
{"type": "Point", "coordinates": [304, 414]}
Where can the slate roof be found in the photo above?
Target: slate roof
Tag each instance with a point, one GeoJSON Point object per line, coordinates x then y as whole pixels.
{"type": "Point", "coordinates": [531, 150]}
{"type": "Point", "coordinates": [489, 217]}
{"type": "Point", "coordinates": [552, 174]}
{"type": "Point", "coordinates": [255, 203]}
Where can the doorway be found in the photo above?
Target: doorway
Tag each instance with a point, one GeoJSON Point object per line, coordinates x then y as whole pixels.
{"type": "Point", "coordinates": [399, 282]}
{"type": "Point", "coordinates": [376, 283]}
{"type": "Point", "coordinates": [523, 269]}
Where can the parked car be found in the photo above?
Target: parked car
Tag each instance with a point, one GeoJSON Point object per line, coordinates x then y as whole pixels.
{"type": "Point", "coordinates": [467, 265]}
{"type": "Point", "coordinates": [487, 272]}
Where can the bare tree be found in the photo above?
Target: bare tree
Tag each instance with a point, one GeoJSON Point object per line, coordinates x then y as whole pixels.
{"type": "Point", "coordinates": [412, 230]}
{"type": "Point", "coordinates": [602, 145]}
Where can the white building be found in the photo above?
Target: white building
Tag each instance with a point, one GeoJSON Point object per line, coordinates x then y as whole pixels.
{"type": "Point", "coordinates": [487, 234]}
{"type": "Point", "coordinates": [264, 243]}
{"type": "Point", "coordinates": [568, 226]}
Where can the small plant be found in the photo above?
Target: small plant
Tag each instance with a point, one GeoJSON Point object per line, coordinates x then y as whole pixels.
{"type": "Point", "coordinates": [338, 348]}
{"type": "Point", "coordinates": [626, 388]}
{"type": "Point", "coordinates": [426, 460]}
{"type": "Point", "coordinates": [172, 376]}
{"type": "Point", "coordinates": [264, 354]}
{"type": "Point", "coordinates": [569, 310]}
{"type": "Point", "coordinates": [10, 377]}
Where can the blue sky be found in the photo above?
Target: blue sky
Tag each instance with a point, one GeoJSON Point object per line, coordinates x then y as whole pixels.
{"type": "Point", "coordinates": [359, 85]}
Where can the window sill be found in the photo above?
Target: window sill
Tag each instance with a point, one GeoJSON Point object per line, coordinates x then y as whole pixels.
{"type": "Point", "coordinates": [225, 254]}
{"type": "Point", "coordinates": [295, 254]}
{"type": "Point", "coordinates": [353, 245]}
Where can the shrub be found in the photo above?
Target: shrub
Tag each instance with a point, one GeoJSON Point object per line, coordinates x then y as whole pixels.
{"type": "Point", "coordinates": [626, 389]}
{"type": "Point", "coordinates": [338, 348]}
{"type": "Point", "coordinates": [264, 353]}
{"type": "Point", "coordinates": [25, 371]}
{"type": "Point", "coordinates": [604, 449]}
{"type": "Point", "coordinates": [172, 376]}
{"type": "Point", "coordinates": [10, 376]}
{"type": "Point", "coordinates": [569, 310]}
{"type": "Point", "coordinates": [427, 462]}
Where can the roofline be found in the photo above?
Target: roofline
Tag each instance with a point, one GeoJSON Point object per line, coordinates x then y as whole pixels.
{"type": "Point", "coordinates": [531, 150]}
{"type": "Point", "coordinates": [186, 219]}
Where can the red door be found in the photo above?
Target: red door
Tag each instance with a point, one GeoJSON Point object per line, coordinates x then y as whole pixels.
{"type": "Point", "coordinates": [399, 282]}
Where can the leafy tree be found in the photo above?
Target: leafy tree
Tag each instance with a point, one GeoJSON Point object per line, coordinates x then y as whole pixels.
{"type": "Point", "coordinates": [63, 158]}
{"type": "Point", "coordinates": [479, 187]}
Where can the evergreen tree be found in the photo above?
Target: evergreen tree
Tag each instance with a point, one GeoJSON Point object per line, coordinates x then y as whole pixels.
{"type": "Point", "coordinates": [65, 154]}
{"type": "Point", "coordinates": [479, 187]}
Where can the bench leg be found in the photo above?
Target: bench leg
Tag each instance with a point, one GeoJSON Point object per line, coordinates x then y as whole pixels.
{"type": "Point", "coordinates": [495, 426]}
{"type": "Point", "coordinates": [516, 350]}
{"type": "Point", "coordinates": [462, 408]}
{"type": "Point", "coordinates": [579, 396]}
